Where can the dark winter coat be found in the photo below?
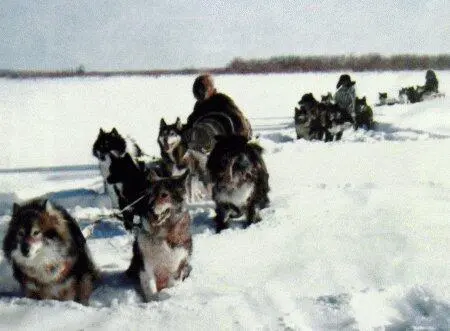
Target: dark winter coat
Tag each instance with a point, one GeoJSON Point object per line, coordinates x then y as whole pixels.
{"type": "Point", "coordinates": [216, 115]}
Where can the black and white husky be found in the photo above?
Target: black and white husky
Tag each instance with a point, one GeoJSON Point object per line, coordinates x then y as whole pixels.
{"type": "Point", "coordinates": [106, 145]}
{"type": "Point", "coordinates": [163, 245]}
{"type": "Point", "coordinates": [48, 253]}
{"type": "Point", "coordinates": [240, 180]}
{"type": "Point", "coordinates": [130, 181]}
{"type": "Point", "coordinates": [173, 146]}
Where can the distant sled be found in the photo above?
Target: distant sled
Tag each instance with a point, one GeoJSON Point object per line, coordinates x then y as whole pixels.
{"type": "Point", "coordinates": [407, 95]}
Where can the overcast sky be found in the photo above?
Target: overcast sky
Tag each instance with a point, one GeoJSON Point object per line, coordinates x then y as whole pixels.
{"type": "Point", "coordinates": [147, 34]}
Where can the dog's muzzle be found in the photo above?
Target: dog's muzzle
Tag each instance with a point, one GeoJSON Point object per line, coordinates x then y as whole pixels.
{"type": "Point", "coordinates": [25, 248]}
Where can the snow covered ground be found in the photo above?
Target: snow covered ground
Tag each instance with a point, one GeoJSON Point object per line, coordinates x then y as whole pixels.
{"type": "Point", "coordinates": [356, 237]}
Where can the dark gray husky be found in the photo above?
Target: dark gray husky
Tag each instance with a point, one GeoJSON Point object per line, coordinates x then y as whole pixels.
{"type": "Point", "coordinates": [240, 179]}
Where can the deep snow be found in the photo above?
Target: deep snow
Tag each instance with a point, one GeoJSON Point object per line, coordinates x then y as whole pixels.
{"type": "Point", "coordinates": [356, 237]}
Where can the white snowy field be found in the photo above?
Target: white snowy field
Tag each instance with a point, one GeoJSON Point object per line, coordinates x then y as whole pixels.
{"type": "Point", "coordinates": [356, 236]}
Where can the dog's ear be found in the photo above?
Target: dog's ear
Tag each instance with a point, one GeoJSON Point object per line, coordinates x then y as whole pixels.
{"type": "Point", "coordinates": [162, 123]}
{"type": "Point", "coordinates": [114, 132]}
{"type": "Point", "coordinates": [363, 99]}
{"type": "Point", "coordinates": [101, 132]}
{"type": "Point", "coordinates": [178, 124]}
{"type": "Point", "coordinates": [48, 206]}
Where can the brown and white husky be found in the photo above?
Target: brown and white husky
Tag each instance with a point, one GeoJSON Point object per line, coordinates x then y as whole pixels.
{"type": "Point", "coordinates": [48, 253]}
{"type": "Point", "coordinates": [164, 243]}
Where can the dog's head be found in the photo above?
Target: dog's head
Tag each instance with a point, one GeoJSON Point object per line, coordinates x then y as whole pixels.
{"type": "Point", "coordinates": [360, 101]}
{"type": "Point", "coordinates": [35, 225]}
{"type": "Point", "coordinates": [166, 198]}
{"type": "Point", "coordinates": [300, 116]}
{"type": "Point", "coordinates": [170, 135]}
{"type": "Point", "coordinates": [234, 160]}
{"type": "Point", "coordinates": [307, 102]}
{"type": "Point", "coordinates": [360, 104]}
{"type": "Point", "coordinates": [327, 98]}
{"type": "Point", "coordinates": [108, 143]}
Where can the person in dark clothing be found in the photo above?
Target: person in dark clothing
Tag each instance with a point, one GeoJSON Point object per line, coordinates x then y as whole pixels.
{"type": "Point", "coordinates": [431, 82]}
{"type": "Point", "coordinates": [214, 114]}
{"type": "Point", "coordinates": [345, 95]}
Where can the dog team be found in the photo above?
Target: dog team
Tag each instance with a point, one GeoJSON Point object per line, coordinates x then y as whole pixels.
{"type": "Point", "coordinates": [211, 156]}
{"type": "Point", "coordinates": [326, 120]}
{"type": "Point", "coordinates": [413, 94]}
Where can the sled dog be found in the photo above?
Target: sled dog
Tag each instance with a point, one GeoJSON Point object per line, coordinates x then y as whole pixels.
{"type": "Point", "coordinates": [48, 253]}
{"type": "Point", "coordinates": [112, 143]}
{"type": "Point", "coordinates": [309, 123]}
{"type": "Point", "coordinates": [240, 180]}
{"type": "Point", "coordinates": [363, 114]}
{"type": "Point", "coordinates": [130, 184]}
{"type": "Point", "coordinates": [163, 245]}
{"type": "Point", "coordinates": [178, 158]}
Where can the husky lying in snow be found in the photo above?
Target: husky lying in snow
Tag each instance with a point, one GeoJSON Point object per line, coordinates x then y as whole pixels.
{"type": "Point", "coordinates": [384, 100]}
{"type": "Point", "coordinates": [240, 180]}
{"type": "Point", "coordinates": [112, 143]}
{"type": "Point", "coordinates": [163, 246]}
{"type": "Point", "coordinates": [48, 253]}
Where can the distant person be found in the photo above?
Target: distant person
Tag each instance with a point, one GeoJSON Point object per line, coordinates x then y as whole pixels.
{"type": "Point", "coordinates": [431, 82]}
{"type": "Point", "coordinates": [214, 114]}
{"type": "Point", "coordinates": [345, 95]}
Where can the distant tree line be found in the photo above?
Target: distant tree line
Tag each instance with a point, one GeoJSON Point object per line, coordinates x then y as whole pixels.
{"type": "Point", "coordinates": [279, 64]}
{"type": "Point", "coordinates": [81, 72]}
{"type": "Point", "coordinates": [369, 62]}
